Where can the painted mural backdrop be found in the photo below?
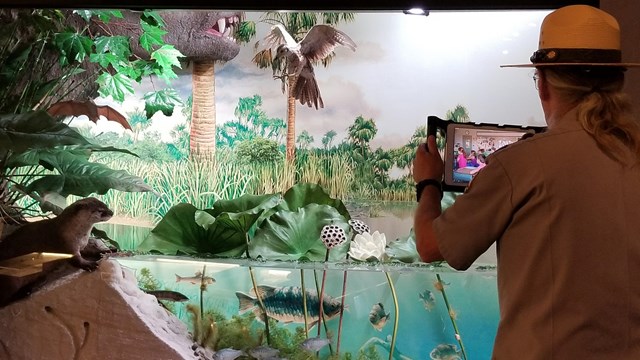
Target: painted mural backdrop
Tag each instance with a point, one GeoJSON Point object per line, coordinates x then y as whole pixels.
{"type": "Point", "coordinates": [358, 146]}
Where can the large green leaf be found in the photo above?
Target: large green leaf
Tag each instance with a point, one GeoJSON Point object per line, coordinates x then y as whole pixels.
{"type": "Point", "coordinates": [303, 194]}
{"type": "Point", "coordinates": [117, 85]}
{"type": "Point", "coordinates": [73, 46]}
{"type": "Point", "coordinates": [167, 57]}
{"type": "Point", "coordinates": [176, 233]}
{"type": "Point", "coordinates": [295, 235]}
{"type": "Point", "coordinates": [230, 222]}
{"type": "Point", "coordinates": [36, 130]}
{"type": "Point", "coordinates": [44, 157]}
{"type": "Point", "coordinates": [181, 231]}
{"type": "Point", "coordinates": [248, 203]}
{"type": "Point", "coordinates": [80, 177]}
{"type": "Point", "coordinates": [404, 249]}
{"type": "Point", "coordinates": [151, 36]}
{"type": "Point", "coordinates": [163, 100]}
{"type": "Point", "coordinates": [116, 45]}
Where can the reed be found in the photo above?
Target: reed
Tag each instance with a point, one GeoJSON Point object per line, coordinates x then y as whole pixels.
{"type": "Point", "coordinates": [201, 182]}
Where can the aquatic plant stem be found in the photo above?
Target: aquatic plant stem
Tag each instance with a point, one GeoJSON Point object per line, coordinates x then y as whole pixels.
{"type": "Point", "coordinates": [344, 292]}
{"type": "Point", "coordinates": [203, 288]}
{"type": "Point", "coordinates": [304, 305]}
{"type": "Point", "coordinates": [258, 296]}
{"type": "Point", "coordinates": [321, 294]}
{"type": "Point", "coordinates": [453, 320]}
{"type": "Point", "coordinates": [396, 319]}
{"type": "Point", "coordinates": [324, 323]}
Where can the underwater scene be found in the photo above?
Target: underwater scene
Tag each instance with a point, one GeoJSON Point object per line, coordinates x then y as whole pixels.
{"type": "Point", "coordinates": [370, 311]}
{"type": "Point", "coordinates": [333, 283]}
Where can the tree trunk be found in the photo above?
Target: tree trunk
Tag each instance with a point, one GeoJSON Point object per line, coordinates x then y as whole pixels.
{"type": "Point", "coordinates": [202, 142]}
{"type": "Point", "coordinates": [291, 122]}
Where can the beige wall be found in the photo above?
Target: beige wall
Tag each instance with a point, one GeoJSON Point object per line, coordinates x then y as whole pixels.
{"type": "Point", "coordinates": [627, 12]}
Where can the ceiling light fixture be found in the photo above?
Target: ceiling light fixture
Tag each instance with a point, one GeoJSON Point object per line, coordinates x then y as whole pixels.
{"type": "Point", "coordinates": [416, 11]}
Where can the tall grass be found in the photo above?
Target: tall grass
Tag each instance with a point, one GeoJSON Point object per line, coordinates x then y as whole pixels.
{"type": "Point", "coordinates": [203, 182]}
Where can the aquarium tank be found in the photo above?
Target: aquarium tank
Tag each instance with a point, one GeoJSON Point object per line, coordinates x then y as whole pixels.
{"type": "Point", "coordinates": [259, 163]}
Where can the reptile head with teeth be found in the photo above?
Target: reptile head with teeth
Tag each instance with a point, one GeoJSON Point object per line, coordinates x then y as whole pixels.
{"type": "Point", "coordinates": [203, 35]}
{"type": "Point", "coordinates": [200, 35]}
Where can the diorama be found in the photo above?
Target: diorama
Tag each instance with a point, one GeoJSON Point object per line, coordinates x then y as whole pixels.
{"type": "Point", "coordinates": [204, 184]}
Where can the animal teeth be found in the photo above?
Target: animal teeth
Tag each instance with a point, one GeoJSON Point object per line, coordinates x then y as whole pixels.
{"type": "Point", "coordinates": [236, 19]}
{"type": "Point", "coordinates": [231, 20]}
{"type": "Point", "coordinates": [227, 31]}
{"type": "Point", "coordinates": [221, 25]}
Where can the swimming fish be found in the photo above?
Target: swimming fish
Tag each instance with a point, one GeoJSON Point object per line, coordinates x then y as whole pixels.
{"type": "Point", "coordinates": [377, 317]}
{"type": "Point", "coordinates": [285, 304]}
{"type": "Point", "coordinates": [314, 344]}
{"type": "Point", "coordinates": [167, 295]}
{"type": "Point", "coordinates": [228, 354]}
{"type": "Point", "coordinates": [264, 353]}
{"type": "Point", "coordinates": [197, 279]}
{"type": "Point", "coordinates": [428, 299]}
{"type": "Point", "coordinates": [445, 352]}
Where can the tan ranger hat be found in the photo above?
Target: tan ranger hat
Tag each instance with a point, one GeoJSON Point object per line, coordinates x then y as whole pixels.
{"type": "Point", "coordinates": [578, 35]}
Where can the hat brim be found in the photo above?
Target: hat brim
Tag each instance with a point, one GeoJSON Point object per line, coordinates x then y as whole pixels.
{"type": "Point", "coordinates": [624, 65]}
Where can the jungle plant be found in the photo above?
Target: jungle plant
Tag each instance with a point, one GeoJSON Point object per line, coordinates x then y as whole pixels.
{"type": "Point", "coordinates": [43, 62]}
{"type": "Point", "coordinates": [279, 226]}
{"type": "Point", "coordinates": [205, 330]}
{"type": "Point", "coordinates": [45, 160]}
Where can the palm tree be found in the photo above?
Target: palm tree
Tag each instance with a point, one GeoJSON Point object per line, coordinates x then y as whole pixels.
{"type": "Point", "coordinates": [139, 122]}
{"type": "Point", "coordinates": [305, 139]}
{"type": "Point", "coordinates": [458, 114]}
{"type": "Point", "coordinates": [361, 133]}
{"type": "Point", "coordinates": [327, 139]}
{"type": "Point", "coordinates": [297, 25]}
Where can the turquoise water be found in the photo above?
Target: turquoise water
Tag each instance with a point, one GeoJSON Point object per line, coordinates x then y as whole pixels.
{"type": "Point", "coordinates": [421, 327]}
{"type": "Point", "coordinates": [471, 296]}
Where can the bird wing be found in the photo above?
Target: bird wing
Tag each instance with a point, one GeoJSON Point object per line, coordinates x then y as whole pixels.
{"type": "Point", "coordinates": [278, 36]}
{"type": "Point", "coordinates": [321, 40]}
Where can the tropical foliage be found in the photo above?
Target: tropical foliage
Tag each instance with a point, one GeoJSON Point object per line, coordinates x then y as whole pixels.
{"type": "Point", "coordinates": [272, 226]}
{"type": "Point", "coordinates": [44, 61]}
{"type": "Point", "coordinates": [278, 226]}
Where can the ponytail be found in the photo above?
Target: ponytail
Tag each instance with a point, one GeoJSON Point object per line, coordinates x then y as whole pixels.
{"type": "Point", "coordinates": [603, 109]}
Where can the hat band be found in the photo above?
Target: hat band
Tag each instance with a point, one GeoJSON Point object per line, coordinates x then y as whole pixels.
{"type": "Point", "coordinates": [576, 56]}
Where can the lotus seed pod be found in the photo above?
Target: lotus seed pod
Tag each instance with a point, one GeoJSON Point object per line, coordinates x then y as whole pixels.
{"type": "Point", "coordinates": [332, 236]}
{"type": "Point", "coordinates": [358, 226]}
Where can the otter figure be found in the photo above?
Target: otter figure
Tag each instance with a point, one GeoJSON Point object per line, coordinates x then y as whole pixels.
{"type": "Point", "coordinates": [66, 233]}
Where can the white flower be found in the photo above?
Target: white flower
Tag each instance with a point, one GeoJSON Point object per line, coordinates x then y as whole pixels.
{"type": "Point", "coordinates": [366, 246]}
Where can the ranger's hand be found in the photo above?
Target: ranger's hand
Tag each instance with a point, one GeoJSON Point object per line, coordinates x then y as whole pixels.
{"type": "Point", "coordinates": [427, 163]}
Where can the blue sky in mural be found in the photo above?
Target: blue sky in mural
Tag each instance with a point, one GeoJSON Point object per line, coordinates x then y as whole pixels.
{"type": "Point", "coordinates": [404, 69]}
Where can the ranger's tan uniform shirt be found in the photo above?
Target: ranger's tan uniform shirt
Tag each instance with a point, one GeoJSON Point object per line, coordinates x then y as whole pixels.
{"type": "Point", "coordinates": [566, 219]}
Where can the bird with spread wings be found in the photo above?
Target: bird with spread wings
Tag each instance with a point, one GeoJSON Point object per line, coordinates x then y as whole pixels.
{"type": "Point", "coordinates": [299, 57]}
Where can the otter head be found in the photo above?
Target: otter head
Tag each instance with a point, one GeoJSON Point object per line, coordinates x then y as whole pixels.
{"type": "Point", "coordinates": [94, 210]}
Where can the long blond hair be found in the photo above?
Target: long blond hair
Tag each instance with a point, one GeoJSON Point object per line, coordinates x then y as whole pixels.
{"type": "Point", "coordinates": [603, 109]}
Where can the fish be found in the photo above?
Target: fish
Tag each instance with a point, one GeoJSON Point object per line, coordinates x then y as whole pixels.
{"type": "Point", "coordinates": [445, 352]}
{"type": "Point", "coordinates": [167, 295]}
{"type": "Point", "coordinates": [285, 304]}
{"type": "Point", "coordinates": [264, 353]}
{"type": "Point", "coordinates": [428, 300]}
{"type": "Point", "coordinates": [314, 344]}
{"type": "Point", "coordinates": [377, 317]}
{"type": "Point", "coordinates": [197, 279]}
{"type": "Point", "coordinates": [228, 354]}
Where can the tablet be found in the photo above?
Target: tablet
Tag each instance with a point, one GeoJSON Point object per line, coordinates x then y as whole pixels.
{"type": "Point", "coordinates": [464, 147]}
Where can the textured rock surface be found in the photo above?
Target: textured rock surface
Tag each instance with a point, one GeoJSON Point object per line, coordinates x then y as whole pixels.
{"type": "Point", "coordinates": [97, 315]}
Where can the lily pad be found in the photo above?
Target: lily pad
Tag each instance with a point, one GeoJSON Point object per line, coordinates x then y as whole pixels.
{"type": "Point", "coordinates": [295, 235]}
